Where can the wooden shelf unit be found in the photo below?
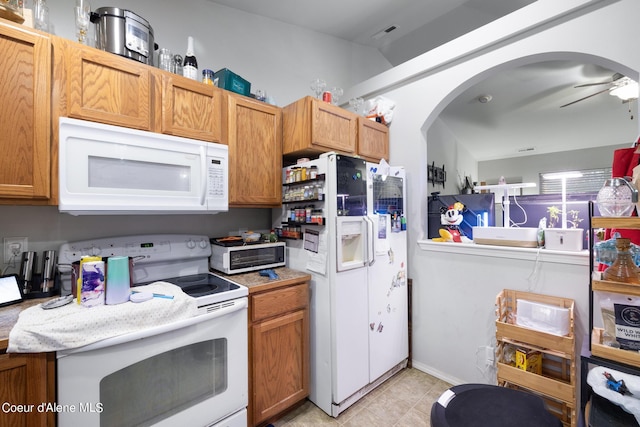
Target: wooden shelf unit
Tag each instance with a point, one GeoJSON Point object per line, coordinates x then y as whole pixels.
{"type": "Point", "coordinates": [557, 384]}
{"type": "Point", "coordinates": [597, 353]}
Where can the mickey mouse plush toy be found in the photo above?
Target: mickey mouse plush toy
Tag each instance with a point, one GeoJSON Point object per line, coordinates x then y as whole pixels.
{"type": "Point", "coordinates": [451, 218]}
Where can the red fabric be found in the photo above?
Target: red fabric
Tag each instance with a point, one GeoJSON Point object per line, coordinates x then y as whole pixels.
{"type": "Point", "coordinates": [624, 160]}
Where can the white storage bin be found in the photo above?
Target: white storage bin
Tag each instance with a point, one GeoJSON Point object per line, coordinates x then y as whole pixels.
{"type": "Point", "coordinates": [563, 239]}
{"type": "Point", "coordinates": [543, 317]}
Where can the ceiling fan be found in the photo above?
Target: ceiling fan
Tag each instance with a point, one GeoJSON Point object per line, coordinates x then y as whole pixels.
{"type": "Point", "coordinates": [616, 84]}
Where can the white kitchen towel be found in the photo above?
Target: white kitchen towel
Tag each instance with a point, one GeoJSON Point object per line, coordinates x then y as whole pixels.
{"type": "Point", "coordinates": [72, 326]}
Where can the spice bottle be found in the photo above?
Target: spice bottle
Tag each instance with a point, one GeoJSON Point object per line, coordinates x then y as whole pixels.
{"type": "Point", "coordinates": [623, 268]}
{"type": "Point", "coordinates": [207, 77]}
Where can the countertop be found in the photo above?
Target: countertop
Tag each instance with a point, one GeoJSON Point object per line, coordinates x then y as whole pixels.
{"type": "Point", "coordinates": [253, 281]}
{"type": "Point", "coordinates": [257, 283]}
{"type": "Point", "coordinates": [9, 317]}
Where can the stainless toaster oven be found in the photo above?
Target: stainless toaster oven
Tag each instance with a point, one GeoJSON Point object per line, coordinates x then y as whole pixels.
{"type": "Point", "coordinates": [239, 257]}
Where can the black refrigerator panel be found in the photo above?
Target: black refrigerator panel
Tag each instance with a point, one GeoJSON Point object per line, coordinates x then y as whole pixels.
{"type": "Point", "coordinates": [351, 186]}
{"type": "Point", "coordinates": [388, 195]}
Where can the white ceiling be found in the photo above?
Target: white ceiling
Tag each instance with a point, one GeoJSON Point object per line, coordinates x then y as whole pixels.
{"type": "Point", "coordinates": [524, 116]}
{"type": "Point", "coordinates": [431, 22]}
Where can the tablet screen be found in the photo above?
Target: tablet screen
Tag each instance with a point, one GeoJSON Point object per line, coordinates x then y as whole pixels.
{"type": "Point", "coordinates": [9, 290]}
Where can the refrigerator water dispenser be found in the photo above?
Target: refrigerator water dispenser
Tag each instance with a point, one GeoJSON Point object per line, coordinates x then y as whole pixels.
{"type": "Point", "coordinates": [352, 242]}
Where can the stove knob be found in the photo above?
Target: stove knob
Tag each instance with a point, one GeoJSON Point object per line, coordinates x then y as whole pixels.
{"type": "Point", "coordinates": [203, 244]}
{"type": "Point", "coordinates": [191, 244]}
{"type": "Point", "coordinates": [94, 251]}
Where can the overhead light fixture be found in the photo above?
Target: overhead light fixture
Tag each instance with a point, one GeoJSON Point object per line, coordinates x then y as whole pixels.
{"type": "Point", "coordinates": [560, 175]}
{"type": "Point", "coordinates": [627, 89]}
{"type": "Point", "coordinates": [484, 99]}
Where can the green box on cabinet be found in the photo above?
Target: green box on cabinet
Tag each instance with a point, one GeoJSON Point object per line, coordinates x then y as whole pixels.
{"type": "Point", "coordinates": [227, 79]}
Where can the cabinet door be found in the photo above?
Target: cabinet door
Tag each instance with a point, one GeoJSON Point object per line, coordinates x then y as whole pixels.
{"type": "Point", "coordinates": [253, 132]}
{"type": "Point", "coordinates": [27, 379]}
{"type": "Point", "coordinates": [280, 364]}
{"type": "Point", "coordinates": [25, 96]}
{"type": "Point", "coordinates": [333, 128]}
{"type": "Point", "coordinates": [107, 88]}
{"type": "Point", "coordinates": [373, 140]}
{"type": "Point", "coordinates": [190, 109]}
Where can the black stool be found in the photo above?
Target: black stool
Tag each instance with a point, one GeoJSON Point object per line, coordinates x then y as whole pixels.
{"type": "Point", "coordinates": [484, 405]}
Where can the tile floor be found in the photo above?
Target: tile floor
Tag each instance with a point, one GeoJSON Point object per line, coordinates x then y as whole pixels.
{"type": "Point", "coordinates": [404, 400]}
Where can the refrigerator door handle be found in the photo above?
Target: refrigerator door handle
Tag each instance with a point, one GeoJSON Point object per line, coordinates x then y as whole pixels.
{"type": "Point", "coordinates": [371, 253]}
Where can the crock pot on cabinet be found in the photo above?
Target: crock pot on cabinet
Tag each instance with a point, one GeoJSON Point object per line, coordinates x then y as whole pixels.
{"type": "Point", "coordinates": [124, 33]}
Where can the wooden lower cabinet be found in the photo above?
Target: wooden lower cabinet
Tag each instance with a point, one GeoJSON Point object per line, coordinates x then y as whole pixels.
{"type": "Point", "coordinates": [278, 351]}
{"type": "Point", "coordinates": [28, 380]}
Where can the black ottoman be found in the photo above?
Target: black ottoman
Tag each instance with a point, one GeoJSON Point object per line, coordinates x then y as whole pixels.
{"type": "Point", "coordinates": [484, 405]}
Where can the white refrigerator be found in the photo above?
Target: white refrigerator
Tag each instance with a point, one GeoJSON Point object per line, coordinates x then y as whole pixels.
{"type": "Point", "coordinates": [356, 253]}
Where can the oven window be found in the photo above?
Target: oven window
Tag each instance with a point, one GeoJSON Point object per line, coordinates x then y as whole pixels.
{"type": "Point", "coordinates": [156, 388]}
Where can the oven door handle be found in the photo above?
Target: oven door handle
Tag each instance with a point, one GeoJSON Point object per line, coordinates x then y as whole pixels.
{"type": "Point", "coordinates": [217, 310]}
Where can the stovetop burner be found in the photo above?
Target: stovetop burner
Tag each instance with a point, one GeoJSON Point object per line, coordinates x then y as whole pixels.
{"type": "Point", "coordinates": [207, 288]}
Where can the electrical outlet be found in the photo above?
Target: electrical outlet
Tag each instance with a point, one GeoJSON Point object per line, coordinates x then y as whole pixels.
{"type": "Point", "coordinates": [490, 354]}
{"type": "Point", "coordinates": [13, 247]}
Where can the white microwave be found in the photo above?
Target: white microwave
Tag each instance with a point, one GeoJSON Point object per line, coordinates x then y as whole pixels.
{"type": "Point", "coordinates": [108, 169]}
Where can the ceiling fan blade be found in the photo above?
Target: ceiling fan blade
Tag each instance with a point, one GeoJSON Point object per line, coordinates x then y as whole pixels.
{"type": "Point", "coordinates": [614, 78]}
{"type": "Point", "coordinates": [586, 97]}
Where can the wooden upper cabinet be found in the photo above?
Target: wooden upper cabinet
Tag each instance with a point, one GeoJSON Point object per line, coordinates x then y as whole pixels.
{"type": "Point", "coordinates": [107, 88]}
{"type": "Point", "coordinates": [311, 127]}
{"type": "Point", "coordinates": [188, 108]}
{"type": "Point", "coordinates": [25, 116]}
{"type": "Point", "coordinates": [373, 140]}
{"type": "Point", "coordinates": [253, 132]}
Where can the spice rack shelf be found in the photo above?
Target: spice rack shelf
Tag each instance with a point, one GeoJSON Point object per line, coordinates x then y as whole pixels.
{"type": "Point", "coordinates": [320, 178]}
{"type": "Point", "coordinates": [556, 385]}
{"type": "Point", "coordinates": [594, 351]}
{"type": "Point", "coordinates": [317, 199]}
{"type": "Point", "coordinates": [295, 223]}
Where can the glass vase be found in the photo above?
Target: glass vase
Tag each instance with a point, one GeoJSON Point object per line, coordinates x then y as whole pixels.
{"type": "Point", "coordinates": [623, 268]}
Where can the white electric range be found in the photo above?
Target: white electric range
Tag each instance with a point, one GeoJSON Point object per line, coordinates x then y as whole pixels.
{"type": "Point", "coordinates": [190, 372]}
{"type": "Point", "coordinates": [175, 258]}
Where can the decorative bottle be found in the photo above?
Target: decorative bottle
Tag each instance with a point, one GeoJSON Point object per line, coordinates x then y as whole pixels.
{"type": "Point", "coordinates": [623, 268]}
{"type": "Point", "coordinates": [190, 64]}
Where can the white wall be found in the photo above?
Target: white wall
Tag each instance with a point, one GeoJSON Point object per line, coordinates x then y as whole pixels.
{"type": "Point", "coordinates": [544, 30]}
{"type": "Point", "coordinates": [454, 314]}
{"type": "Point", "coordinates": [277, 57]}
{"type": "Point", "coordinates": [458, 163]}
{"type": "Point", "coordinates": [528, 168]}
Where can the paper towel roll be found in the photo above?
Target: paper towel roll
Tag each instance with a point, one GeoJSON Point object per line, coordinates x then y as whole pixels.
{"type": "Point", "coordinates": [118, 289]}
